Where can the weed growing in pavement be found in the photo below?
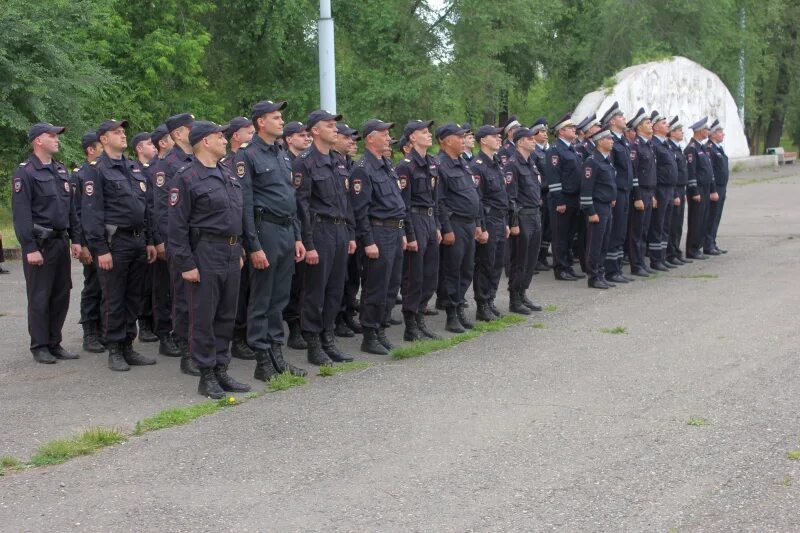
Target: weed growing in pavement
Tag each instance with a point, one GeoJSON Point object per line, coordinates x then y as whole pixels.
{"type": "Point", "coordinates": [787, 480]}
{"type": "Point", "coordinates": [84, 443]}
{"type": "Point", "coordinates": [8, 461]}
{"type": "Point", "coordinates": [616, 330]}
{"type": "Point", "coordinates": [176, 416]}
{"type": "Point", "coordinates": [794, 455]}
{"type": "Point", "coordinates": [332, 370]}
{"type": "Point", "coordinates": [697, 421]}
{"type": "Point", "coordinates": [285, 381]}
{"type": "Point", "coordinates": [538, 325]}
{"type": "Point", "coordinates": [700, 276]}
{"type": "Point", "coordinates": [550, 308]}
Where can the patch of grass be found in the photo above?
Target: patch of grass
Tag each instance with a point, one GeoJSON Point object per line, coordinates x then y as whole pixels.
{"type": "Point", "coordinates": [538, 325]}
{"type": "Point", "coordinates": [420, 348]}
{"type": "Point", "coordinates": [8, 461]}
{"type": "Point", "coordinates": [84, 443]}
{"type": "Point", "coordinates": [652, 276]}
{"type": "Point", "coordinates": [616, 330]}
{"type": "Point", "coordinates": [332, 370]}
{"type": "Point", "coordinates": [787, 480]}
{"type": "Point", "coordinates": [285, 381]}
{"type": "Point", "coordinates": [697, 421]}
{"type": "Point", "coordinates": [7, 228]}
{"type": "Point", "coordinates": [176, 416]}
{"type": "Point", "coordinates": [550, 308]}
{"type": "Point", "coordinates": [794, 455]}
{"type": "Point", "coordinates": [252, 395]}
{"type": "Point", "coordinates": [700, 276]}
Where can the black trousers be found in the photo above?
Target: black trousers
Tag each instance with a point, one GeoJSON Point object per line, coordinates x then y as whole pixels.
{"type": "Point", "coordinates": [619, 229]}
{"type": "Point", "coordinates": [353, 282]}
{"type": "Point", "coordinates": [676, 225]}
{"type": "Point", "coordinates": [598, 239]}
{"type": "Point", "coordinates": [658, 234]}
{"type": "Point", "coordinates": [524, 252]}
{"type": "Point", "coordinates": [638, 226]}
{"type": "Point", "coordinates": [380, 279]}
{"type": "Point", "coordinates": [565, 227]}
{"type": "Point", "coordinates": [697, 219]}
{"type": "Point", "coordinates": [421, 268]}
{"type": "Point", "coordinates": [547, 232]}
{"type": "Point", "coordinates": [122, 287]}
{"type": "Point", "coordinates": [48, 287]}
{"type": "Point", "coordinates": [240, 324]}
{"type": "Point", "coordinates": [323, 284]}
{"type": "Point", "coordinates": [146, 309]}
{"type": "Point", "coordinates": [457, 264]}
{"type": "Point", "coordinates": [212, 302]}
{"type": "Point", "coordinates": [489, 259]}
{"type": "Point", "coordinates": [91, 294]}
{"type": "Point", "coordinates": [293, 309]}
{"type": "Point", "coordinates": [270, 288]}
{"type": "Point", "coordinates": [714, 217]}
{"type": "Point", "coordinates": [161, 298]}
{"type": "Point", "coordinates": [180, 310]}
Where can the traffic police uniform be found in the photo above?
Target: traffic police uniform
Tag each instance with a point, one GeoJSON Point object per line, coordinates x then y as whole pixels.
{"type": "Point", "coordinates": [644, 186]}
{"type": "Point", "coordinates": [539, 158]}
{"type": "Point", "coordinates": [700, 174]}
{"type": "Point", "coordinates": [44, 217]}
{"type": "Point", "coordinates": [598, 192]}
{"type": "Point", "coordinates": [674, 253]}
{"type": "Point", "coordinates": [721, 172]}
{"type": "Point", "coordinates": [507, 150]}
{"type": "Point", "coordinates": [666, 179]}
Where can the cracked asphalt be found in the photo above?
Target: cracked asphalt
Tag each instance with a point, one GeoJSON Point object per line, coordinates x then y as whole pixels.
{"type": "Point", "coordinates": [560, 428]}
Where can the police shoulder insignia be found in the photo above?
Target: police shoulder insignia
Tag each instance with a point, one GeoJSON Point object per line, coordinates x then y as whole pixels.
{"type": "Point", "coordinates": [297, 179]}
{"type": "Point", "coordinates": [347, 184]}
{"type": "Point", "coordinates": [554, 160]}
{"type": "Point", "coordinates": [93, 162]}
{"type": "Point", "coordinates": [146, 165]}
{"type": "Point", "coordinates": [66, 186]}
{"type": "Point", "coordinates": [633, 155]}
{"type": "Point", "coordinates": [503, 159]}
{"type": "Point", "coordinates": [476, 179]}
{"type": "Point", "coordinates": [433, 182]}
{"type": "Point", "coordinates": [690, 157]}
{"type": "Point", "coordinates": [403, 183]}
{"type": "Point", "coordinates": [479, 161]}
{"type": "Point", "coordinates": [143, 186]}
{"type": "Point", "coordinates": [587, 172]}
{"type": "Point", "coordinates": [240, 169]}
{"type": "Point", "coordinates": [76, 169]}
{"type": "Point", "coordinates": [509, 177]}
{"type": "Point", "coordinates": [243, 145]}
{"type": "Point", "coordinates": [160, 179]}
{"type": "Point", "coordinates": [17, 184]}
{"type": "Point", "coordinates": [357, 185]}
{"type": "Point", "coordinates": [174, 196]}
{"type": "Point", "coordinates": [407, 160]}
{"type": "Point", "coordinates": [88, 188]}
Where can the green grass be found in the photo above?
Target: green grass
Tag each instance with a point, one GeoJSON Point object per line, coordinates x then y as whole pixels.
{"type": "Point", "coordinates": [8, 461]}
{"type": "Point", "coordinates": [7, 228]}
{"type": "Point", "coordinates": [332, 370]}
{"type": "Point", "coordinates": [284, 381]}
{"type": "Point", "coordinates": [538, 325]}
{"type": "Point", "coordinates": [420, 348]}
{"type": "Point", "coordinates": [697, 421]}
{"type": "Point", "coordinates": [616, 330]}
{"type": "Point", "coordinates": [787, 481]}
{"type": "Point", "coordinates": [84, 443]}
{"type": "Point", "coordinates": [700, 276]}
{"type": "Point", "coordinates": [550, 308]}
{"type": "Point", "coordinates": [794, 455]}
{"type": "Point", "coordinates": [176, 416]}
{"type": "Point", "coordinates": [652, 276]}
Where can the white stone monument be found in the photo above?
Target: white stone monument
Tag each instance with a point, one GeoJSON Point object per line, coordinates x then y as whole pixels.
{"type": "Point", "coordinates": [675, 86]}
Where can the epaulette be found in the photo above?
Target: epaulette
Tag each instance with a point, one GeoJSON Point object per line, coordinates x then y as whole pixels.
{"type": "Point", "coordinates": [361, 162]}
{"type": "Point", "coordinates": [93, 162]}
{"type": "Point", "coordinates": [407, 160]}
{"type": "Point", "coordinates": [304, 153]}
{"type": "Point", "coordinates": [24, 164]}
{"type": "Point", "coordinates": [479, 161]}
{"type": "Point", "coordinates": [76, 169]}
{"type": "Point", "coordinates": [243, 145]}
{"type": "Point", "coordinates": [184, 167]}
{"type": "Point", "coordinates": [146, 165]}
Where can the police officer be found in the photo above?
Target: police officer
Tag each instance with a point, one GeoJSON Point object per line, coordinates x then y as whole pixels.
{"type": "Point", "coordinates": [205, 228]}
{"type": "Point", "coordinates": [161, 283]}
{"type": "Point", "coordinates": [563, 167]}
{"type": "Point", "coordinates": [699, 189]}
{"type": "Point", "coordinates": [90, 294]}
{"type": "Point", "coordinates": [115, 218]}
{"type": "Point", "coordinates": [296, 138]}
{"type": "Point", "coordinates": [509, 127]}
{"type": "Point", "coordinates": [469, 143]}
{"type": "Point", "coordinates": [585, 129]}
{"type": "Point", "coordinates": [674, 254]}
{"type": "Point", "coordinates": [272, 236]}
{"type": "Point", "coordinates": [326, 218]}
{"type": "Point", "coordinates": [379, 213]}
{"type": "Point", "coordinates": [644, 199]}
{"type": "Point", "coordinates": [419, 172]}
{"type": "Point", "coordinates": [598, 194]}
{"type": "Point", "coordinates": [539, 129]}
{"type": "Point", "coordinates": [239, 131]}
{"type": "Point", "coordinates": [43, 219]}
{"type": "Point", "coordinates": [524, 191]}
{"type": "Point", "coordinates": [720, 165]}
{"type": "Point", "coordinates": [461, 221]}
{"type": "Point", "coordinates": [666, 178]}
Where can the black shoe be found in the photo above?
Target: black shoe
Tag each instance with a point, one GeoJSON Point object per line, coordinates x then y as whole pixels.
{"type": "Point", "coordinates": [352, 322]}
{"type": "Point", "coordinates": [188, 364]}
{"type": "Point", "coordinates": [563, 275]}
{"type": "Point", "coordinates": [515, 305]}
{"type": "Point", "coordinates": [91, 342]}
{"type": "Point", "coordinates": [720, 250]}
{"type": "Point", "coordinates": [667, 264]}
{"type": "Point", "coordinates": [483, 313]}
{"type": "Point", "coordinates": [43, 355]}
{"type": "Point", "coordinates": [280, 364]}
{"type": "Point", "coordinates": [542, 266]}
{"type": "Point", "coordinates": [617, 278]}
{"type": "Point", "coordinates": [530, 304]}
{"type": "Point", "coordinates": [423, 327]}
{"type": "Point", "coordinates": [440, 305]}
{"type": "Point", "coordinates": [711, 252]}
{"type": "Point", "coordinates": [611, 285]}
{"type": "Point", "coordinates": [430, 312]}
{"type": "Point", "coordinates": [577, 275]}
{"type": "Point", "coordinates": [146, 331]}
{"type": "Point", "coordinates": [648, 269]}
{"type": "Point", "coordinates": [674, 261]}
{"type": "Point", "coordinates": [659, 266]}
{"type": "Point", "coordinates": [598, 284]}
{"type": "Point", "coordinates": [341, 329]}
{"type": "Point", "coordinates": [394, 321]}
{"type": "Point", "coordinates": [642, 273]}
{"type": "Point", "coordinates": [384, 340]}
{"type": "Point", "coordinates": [296, 340]}
{"type": "Point", "coordinates": [227, 383]}
{"type": "Point", "coordinates": [463, 318]}
{"type": "Point", "coordinates": [60, 353]}
{"type": "Point", "coordinates": [167, 346]}
{"type": "Point", "coordinates": [116, 358]}
{"type": "Point", "coordinates": [328, 341]}
{"type": "Point", "coordinates": [453, 324]}
{"type": "Point", "coordinates": [412, 332]}
{"type": "Point", "coordinates": [630, 280]}
{"type": "Point", "coordinates": [696, 255]}
{"type": "Point", "coordinates": [134, 358]}
{"type": "Point", "coordinates": [240, 349]}
{"type": "Point", "coordinates": [209, 386]}
{"type": "Point", "coordinates": [316, 355]}
{"type": "Point", "coordinates": [370, 343]}
{"type": "Point", "coordinates": [495, 311]}
{"type": "Point", "coordinates": [265, 368]}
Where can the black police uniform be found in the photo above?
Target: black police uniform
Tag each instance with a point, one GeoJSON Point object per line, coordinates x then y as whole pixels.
{"type": "Point", "coordinates": [418, 175]}
{"type": "Point", "coordinates": [205, 227]}
{"type": "Point", "coordinates": [563, 175]}
{"type": "Point", "coordinates": [644, 187]}
{"type": "Point", "coordinates": [524, 191]}
{"type": "Point", "coordinates": [598, 192]}
{"type": "Point", "coordinates": [700, 174]}
{"type": "Point", "coordinates": [489, 256]}
{"type": "Point", "coordinates": [380, 215]}
{"type": "Point", "coordinates": [352, 282]}
{"type": "Point", "coordinates": [666, 179]}
{"type": "Point", "coordinates": [678, 212]}
{"type": "Point", "coordinates": [622, 159]}
{"type": "Point", "coordinates": [721, 172]}
{"type": "Point", "coordinates": [91, 293]}
{"type": "Point", "coordinates": [506, 151]}
{"type": "Point", "coordinates": [271, 225]}
{"type": "Point", "coordinates": [44, 216]}
{"type": "Point", "coordinates": [326, 220]}
{"type": "Point", "coordinates": [539, 158]}
{"type": "Point", "coordinates": [115, 219]}
{"type": "Point", "coordinates": [459, 213]}
{"type": "Point", "coordinates": [291, 313]}
{"type": "Point", "coordinates": [146, 304]}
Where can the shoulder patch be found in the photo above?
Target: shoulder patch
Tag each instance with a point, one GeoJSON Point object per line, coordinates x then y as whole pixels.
{"type": "Point", "coordinates": [402, 182]}
{"type": "Point", "coordinates": [554, 160]}
{"type": "Point", "coordinates": [587, 172]}
{"type": "Point", "coordinates": [690, 157]}
{"type": "Point", "coordinates": [357, 185]}
{"type": "Point", "coordinates": [633, 155]}
{"type": "Point", "coordinates": [174, 196]}
{"type": "Point", "coordinates": [240, 169]}
{"type": "Point", "coordinates": [297, 179]}
{"type": "Point", "coordinates": [476, 179]}
{"type": "Point", "coordinates": [509, 177]}
{"type": "Point", "coordinates": [17, 184]}
{"type": "Point", "coordinates": [88, 188]}
{"type": "Point", "coordinates": [142, 186]}
{"type": "Point", "coordinates": [160, 179]}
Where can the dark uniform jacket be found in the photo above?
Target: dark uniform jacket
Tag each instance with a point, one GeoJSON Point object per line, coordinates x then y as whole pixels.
{"type": "Point", "coordinates": [680, 160]}
{"type": "Point", "coordinates": [456, 192]}
{"type": "Point", "coordinates": [599, 184]}
{"type": "Point", "coordinates": [666, 165]}
{"type": "Point", "coordinates": [644, 166]}
{"type": "Point", "coordinates": [523, 183]}
{"type": "Point", "coordinates": [375, 194]}
{"type": "Point", "coordinates": [719, 162]}
{"type": "Point", "coordinates": [418, 176]}
{"type": "Point", "coordinates": [492, 186]}
{"type": "Point", "coordinates": [699, 168]}
{"type": "Point", "coordinates": [563, 171]}
{"type": "Point", "coordinates": [622, 159]}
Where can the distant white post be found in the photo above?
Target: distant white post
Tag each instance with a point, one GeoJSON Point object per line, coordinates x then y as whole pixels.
{"type": "Point", "coordinates": [327, 58]}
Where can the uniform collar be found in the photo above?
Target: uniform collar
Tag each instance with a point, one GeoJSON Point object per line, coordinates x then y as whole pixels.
{"type": "Point", "coordinates": [37, 163]}
{"type": "Point", "coordinates": [261, 143]}
{"type": "Point", "coordinates": [483, 155]}
{"type": "Point", "coordinates": [373, 161]}
{"type": "Point", "coordinates": [121, 162]}
{"type": "Point", "coordinates": [204, 172]}
{"type": "Point", "coordinates": [420, 160]}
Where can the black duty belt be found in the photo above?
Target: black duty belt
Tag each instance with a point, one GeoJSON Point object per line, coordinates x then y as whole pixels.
{"type": "Point", "coordinates": [329, 220]}
{"type": "Point", "coordinates": [528, 210]}
{"type": "Point", "coordinates": [280, 221]}
{"type": "Point", "coordinates": [500, 213]}
{"type": "Point", "coordinates": [217, 237]}
{"type": "Point", "coordinates": [462, 220]}
{"type": "Point", "coordinates": [133, 232]}
{"type": "Point", "coordinates": [389, 222]}
{"type": "Point", "coordinates": [427, 211]}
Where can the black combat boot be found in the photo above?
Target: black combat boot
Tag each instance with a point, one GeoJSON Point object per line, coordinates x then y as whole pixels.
{"type": "Point", "coordinates": [316, 356]}
{"type": "Point", "coordinates": [167, 346]}
{"type": "Point", "coordinates": [341, 329]}
{"type": "Point", "coordinates": [134, 358]}
{"type": "Point", "coordinates": [530, 304]}
{"type": "Point", "coordinates": [265, 369]}
{"type": "Point", "coordinates": [383, 339]}
{"type": "Point", "coordinates": [227, 383]}
{"type": "Point", "coordinates": [116, 359]}
{"type": "Point", "coordinates": [146, 331]}
{"type": "Point", "coordinates": [276, 353]}
{"type": "Point", "coordinates": [412, 332]}
{"type": "Point", "coordinates": [329, 347]}
{"type": "Point", "coordinates": [484, 313]}
{"type": "Point", "coordinates": [462, 317]}
{"type": "Point", "coordinates": [423, 327]}
{"type": "Point", "coordinates": [515, 304]}
{"type": "Point", "coordinates": [188, 364]}
{"type": "Point", "coordinates": [370, 344]}
{"type": "Point", "coordinates": [60, 353]}
{"type": "Point", "coordinates": [91, 343]}
{"type": "Point", "coordinates": [295, 340]}
{"type": "Point", "coordinates": [209, 386]}
{"type": "Point", "coordinates": [43, 355]}
{"type": "Point", "coordinates": [353, 322]}
{"type": "Point", "coordinates": [453, 325]}
{"type": "Point", "coordinates": [239, 347]}
{"type": "Point", "coordinates": [495, 311]}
